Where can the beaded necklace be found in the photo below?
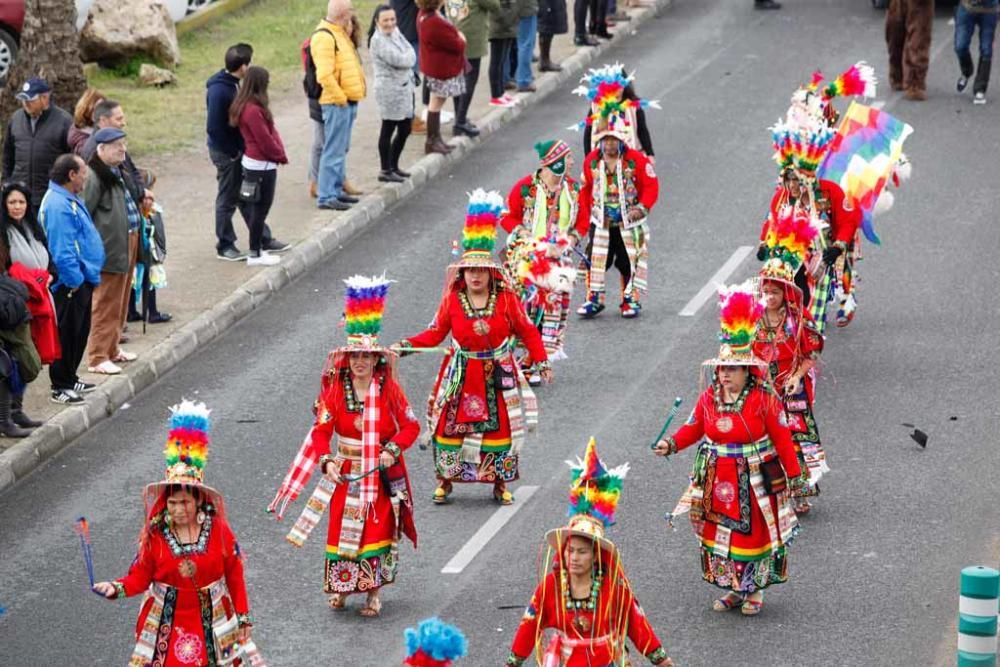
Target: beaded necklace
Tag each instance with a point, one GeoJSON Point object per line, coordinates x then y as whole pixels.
{"type": "Point", "coordinates": [197, 547]}
{"type": "Point", "coordinates": [737, 405]}
{"type": "Point", "coordinates": [475, 313]}
{"type": "Point", "coordinates": [588, 604]}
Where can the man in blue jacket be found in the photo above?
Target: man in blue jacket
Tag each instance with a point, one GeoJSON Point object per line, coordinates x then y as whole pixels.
{"type": "Point", "coordinates": [225, 148]}
{"type": "Point", "coordinates": [77, 254]}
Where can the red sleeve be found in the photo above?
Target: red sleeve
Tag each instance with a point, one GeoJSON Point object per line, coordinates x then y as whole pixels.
{"type": "Point", "coordinates": [534, 618]}
{"type": "Point", "coordinates": [843, 222]}
{"type": "Point", "coordinates": [326, 416]}
{"type": "Point", "coordinates": [586, 200]}
{"type": "Point", "coordinates": [408, 428]}
{"type": "Point", "coordinates": [694, 429]}
{"type": "Point", "coordinates": [639, 629]}
{"type": "Point", "coordinates": [140, 573]}
{"type": "Point", "coordinates": [514, 215]}
{"type": "Point", "coordinates": [810, 340]}
{"type": "Point", "coordinates": [438, 330]}
{"type": "Point", "coordinates": [581, 225]}
{"type": "Point", "coordinates": [525, 330]}
{"type": "Point", "coordinates": [263, 134]}
{"type": "Point", "coordinates": [649, 183]}
{"type": "Point", "coordinates": [779, 434]}
{"type": "Point", "coordinates": [442, 34]}
{"type": "Point", "coordinates": [233, 565]}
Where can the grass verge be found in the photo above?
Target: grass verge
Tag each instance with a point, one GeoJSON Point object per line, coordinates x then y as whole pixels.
{"type": "Point", "coordinates": [162, 120]}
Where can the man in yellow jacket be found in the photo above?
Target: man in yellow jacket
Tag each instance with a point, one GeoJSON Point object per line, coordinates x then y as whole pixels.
{"type": "Point", "coordinates": [339, 73]}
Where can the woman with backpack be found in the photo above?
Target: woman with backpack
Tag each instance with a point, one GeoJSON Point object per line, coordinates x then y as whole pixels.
{"type": "Point", "coordinates": [393, 59]}
{"type": "Point", "coordinates": [263, 152]}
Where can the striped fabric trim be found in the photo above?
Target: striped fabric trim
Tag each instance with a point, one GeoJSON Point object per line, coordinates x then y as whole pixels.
{"type": "Point", "coordinates": [489, 444]}
{"type": "Point", "coordinates": [368, 551]}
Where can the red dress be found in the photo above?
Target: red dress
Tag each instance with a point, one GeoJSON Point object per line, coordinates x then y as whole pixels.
{"type": "Point", "coordinates": [743, 528]}
{"type": "Point", "coordinates": [587, 638]}
{"type": "Point", "coordinates": [365, 557]}
{"type": "Point", "coordinates": [180, 601]}
{"type": "Point", "coordinates": [476, 417]}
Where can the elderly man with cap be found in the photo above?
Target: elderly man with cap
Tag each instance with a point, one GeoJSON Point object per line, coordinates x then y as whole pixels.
{"type": "Point", "coordinates": [36, 135]}
{"type": "Point", "coordinates": [108, 196]}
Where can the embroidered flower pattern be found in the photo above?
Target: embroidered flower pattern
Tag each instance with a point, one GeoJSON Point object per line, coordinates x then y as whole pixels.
{"type": "Point", "coordinates": [188, 647]}
{"type": "Point", "coordinates": [343, 577]}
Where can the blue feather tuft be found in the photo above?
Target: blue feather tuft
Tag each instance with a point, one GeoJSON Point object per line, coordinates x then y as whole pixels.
{"type": "Point", "coordinates": [439, 640]}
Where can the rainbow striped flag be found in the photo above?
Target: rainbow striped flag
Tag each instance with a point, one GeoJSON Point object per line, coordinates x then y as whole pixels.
{"type": "Point", "coordinates": [861, 158]}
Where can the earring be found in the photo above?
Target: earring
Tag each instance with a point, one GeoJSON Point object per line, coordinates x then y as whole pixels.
{"type": "Point", "coordinates": [201, 518]}
{"type": "Point", "coordinates": [166, 519]}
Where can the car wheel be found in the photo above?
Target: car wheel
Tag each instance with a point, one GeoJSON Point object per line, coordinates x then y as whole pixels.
{"type": "Point", "coordinates": [8, 52]}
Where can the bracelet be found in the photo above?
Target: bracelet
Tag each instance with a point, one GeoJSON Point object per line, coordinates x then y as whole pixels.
{"type": "Point", "coordinates": [543, 366]}
{"type": "Point", "coordinates": [657, 656]}
{"type": "Point", "coordinates": [323, 460]}
{"type": "Point", "coordinates": [514, 660]}
{"type": "Point", "coordinates": [245, 620]}
{"type": "Point", "coordinates": [119, 590]}
{"type": "Point", "coordinates": [393, 449]}
{"type": "Point", "coordinates": [671, 446]}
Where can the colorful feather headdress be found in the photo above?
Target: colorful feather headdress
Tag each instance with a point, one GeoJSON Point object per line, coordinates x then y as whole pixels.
{"type": "Point", "coordinates": [739, 309]}
{"type": "Point", "coordinates": [593, 499]}
{"type": "Point", "coordinates": [800, 147]}
{"type": "Point", "coordinates": [787, 242]}
{"type": "Point", "coordinates": [434, 643]}
{"type": "Point", "coordinates": [605, 88]}
{"type": "Point", "coordinates": [479, 236]}
{"type": "Point", "coordinates": [187, 443]}
{"type": "Point", "coordinates": [364, 307]}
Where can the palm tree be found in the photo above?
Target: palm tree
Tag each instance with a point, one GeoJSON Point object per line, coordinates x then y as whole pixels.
{"type": "Point", "coordinates": [52, 53]}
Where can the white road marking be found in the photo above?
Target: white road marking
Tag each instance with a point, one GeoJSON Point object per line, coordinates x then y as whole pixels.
{"type": "Point", "coordinates": [486, 532]}
{"type": "Point", "coordinates": [713, 283]}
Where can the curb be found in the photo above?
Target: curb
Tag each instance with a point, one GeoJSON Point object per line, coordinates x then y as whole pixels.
{"type": "Point", "coordinates": [57, 433]}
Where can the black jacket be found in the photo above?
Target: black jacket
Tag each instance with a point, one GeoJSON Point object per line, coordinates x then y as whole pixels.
{"type": "Point", "coordinates": [220, 90]}
{"type": "Point", "coordinates": [13, 303]}
{"type": "Point", "coordinates": [406, 18]}
{"type": "Point", "coordinates": [28, 155]}
{"type": "Point", "coordinates": [552, 19]}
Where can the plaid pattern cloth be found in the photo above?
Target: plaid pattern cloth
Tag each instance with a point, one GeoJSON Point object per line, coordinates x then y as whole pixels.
{"type": "Point", "coordinates": [296, 478]}
{"type": "Point", "coordinates": [370, 449]}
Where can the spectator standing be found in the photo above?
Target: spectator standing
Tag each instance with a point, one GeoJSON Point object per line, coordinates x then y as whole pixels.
{"type": "Point", "coordinates": [968, 15]}
{"type": "Point", "coordinates": [24, 257]}
{"type": "Point", "coordinates": [908, 26]}
{"type": "Point", "coordinates": [152, 254]}
{"type": "Point", "coordinates": [263, 153]}
{"type": "Point", "coordinates": [77, 255]}
{"type": "Point", "coordinates": [392, 58]}
{"type": "Point", "coordinates": [475, 28]}
{"type": "Point", "coordinates": [115, 212]}
{"type": "Point", "coordinates": [109, 113]}
{"type": "Point", "coordinates": [552, 21]}
{"type": "Point", "coordinates": [83, 119]}
{"type": "Point", "coordinates": [443, 64]}
{"type": "Point", "coordinates": [503, 37]}
{"type": "Point", "coordinates": [339, 73]}
{"type": "Point", "coordinates": [527, 28]}
{"type": "Point", "coordinates": [581, 37]}
{"type": "Point", "coordinates": [406, 21]}
{"type": "Point", "coordinates": [225, 148]}
{"type": "Point", "coordinates": [36, 135]}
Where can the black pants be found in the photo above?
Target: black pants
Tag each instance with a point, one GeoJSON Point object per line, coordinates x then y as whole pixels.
{"type": "Point", "coordinates": [580, 16]}
{"type": "Point", "coordinates": [149, 295]}
{"type": "Point", "coordinates": [389, 147]}
{"type": "Point", "coordinates": [463, 102]}
{"type": "Point", "coordinates": [73, 319]}
{"type": "Point", "coordinates": [499, 64]}
{"type": "Point", "coordinates": [598, 12]}
{"type": "Point", "coordinates": [228, 173]}
{"type": "Point", "coordinates": [258, 210]}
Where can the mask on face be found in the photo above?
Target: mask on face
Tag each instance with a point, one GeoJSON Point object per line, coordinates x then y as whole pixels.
{"type": "Point", "coordinates": [558, 167]}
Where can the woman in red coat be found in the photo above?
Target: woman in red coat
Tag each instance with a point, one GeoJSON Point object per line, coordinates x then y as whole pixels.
{"type": "Point", "coordinates": [442, 62]}
{"type": "Point", "coordinates": [365, 483]}
{"type": "Point", "coordinates": [189, 565]}
{"type": "Point", "coordinates": [738, 496]}
{"type": "Point", "coordinates": [481, 400]}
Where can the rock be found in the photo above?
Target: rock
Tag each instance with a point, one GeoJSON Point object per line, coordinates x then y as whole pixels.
{"type": "Point", "coordinates": [151, 75]}
{"type": "Point", "coordinates": [117, 30]}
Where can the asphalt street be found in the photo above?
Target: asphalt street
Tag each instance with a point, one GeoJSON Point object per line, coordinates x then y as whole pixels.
{"type": "Point", "coordinates": [874, 575]}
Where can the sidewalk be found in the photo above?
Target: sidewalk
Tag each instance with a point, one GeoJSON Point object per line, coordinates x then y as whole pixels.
{"type": "Point", "coordinates": [205, 295]}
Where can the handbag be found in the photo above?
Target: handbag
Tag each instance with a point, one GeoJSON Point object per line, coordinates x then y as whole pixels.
{"type": "Point", "coordinates": [249, 189]}
{"type": "Point", "coordinates": [774, 476]}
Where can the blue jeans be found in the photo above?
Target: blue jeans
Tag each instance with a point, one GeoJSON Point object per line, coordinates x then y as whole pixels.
{"type": "Point", "coordinates": [527, 29]}
{"type": "Point", "coordinates": [337, 124]}
{"type": "Point", "coordinates": [965, 25]}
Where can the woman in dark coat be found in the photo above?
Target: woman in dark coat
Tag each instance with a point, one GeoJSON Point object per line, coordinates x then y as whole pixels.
{"type": "Point", "coordinates": [552, 21]}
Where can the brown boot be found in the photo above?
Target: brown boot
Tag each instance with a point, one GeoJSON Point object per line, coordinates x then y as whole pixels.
{"type": "Point", "coordinates": [434, 143]}
{"type": "Point", "coordinates": [545, 63]}
{"type": "Point", "coordinates": [915, 94]}
{"type": "Point", "coordinates": [418, 126]}
{"type": "Point", "coordinates": [351, 190]}
{"type": "Point", "coordinates": [312, 189]}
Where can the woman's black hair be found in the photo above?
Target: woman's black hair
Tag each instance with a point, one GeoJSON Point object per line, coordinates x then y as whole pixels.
{"type": "Point", "coordinates": [30, 222]}
{"type": "Point", "coordinates": [374, 24]}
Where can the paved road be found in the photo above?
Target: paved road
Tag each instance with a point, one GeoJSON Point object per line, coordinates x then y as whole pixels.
{"type": "Point", "coordinates": [874, 575]}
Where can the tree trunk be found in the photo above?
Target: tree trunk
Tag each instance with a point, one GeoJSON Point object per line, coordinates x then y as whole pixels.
{"type": "Point", "coordinates": [52, 53]}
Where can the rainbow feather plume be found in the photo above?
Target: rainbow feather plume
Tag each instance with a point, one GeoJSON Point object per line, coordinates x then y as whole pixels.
{"type": "Point", "coordinates": [604, 87]}
{"type": "Point", "coordinates": [739, 310]}
{"type": "Point", "coordinates": [364, 304]}
{"type": "Point", "coordinates": [434, 643]}
{"type": "Point", "coordinates": [480, 232]}
{"type": "Point", "coordinates": [595, 489]}
{"type": "Point", "coordinates": [187, 442]}
{"type": "Point", "coordinates": [858, 79]}
{"type": "Point", "coordinates": [800, 147]}
{"type": "Point", "coordinates": [789, 237]}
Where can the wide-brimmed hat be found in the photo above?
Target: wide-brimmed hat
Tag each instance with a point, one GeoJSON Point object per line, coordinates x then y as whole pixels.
{"type": "Point", "coordinates": [364, 308]}
{"type": "Point", "coordinates": [739, 311]}
{"type": "Point", "coordinates": [479, 234]}
{"type": "Point", "coordinates": [593, 499]}
{"type": "Point", "coordinates": [186, 452]}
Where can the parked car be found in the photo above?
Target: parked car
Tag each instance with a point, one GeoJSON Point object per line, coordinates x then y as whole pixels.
{"type": "Point", "coordinates": [11, 22]}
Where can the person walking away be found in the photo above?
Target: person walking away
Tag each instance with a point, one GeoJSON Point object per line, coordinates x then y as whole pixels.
{"type": "Point", "coordinates": [552, 21]}
{"type": "Point", "coordinates": [527, 28]}
{"type": "Point", "coordinates": [392, 59]}
{"type": "Point", "coordinates": [443, 64]}
{"type": "Point", "coordinates": [339, 73]}
{"type": "Point", "coordinates": [264, 151]}
{"type": "Point", "coordinates": [83, 119]}
{"type": "Point", "coordinates": [908, 26]}
{"type": "Point", "coordinates": [503, 37]}
{"type": "Point", "coordinates": [77, 254]}
{"type": "Point", "coordinates": [36, 135]}
{"type": "Point", "coordinates": [109, 196]}
{"type": "Point", "coordinates": [968, 15]}
{"type": "Point", "coordinates": [475, 28]}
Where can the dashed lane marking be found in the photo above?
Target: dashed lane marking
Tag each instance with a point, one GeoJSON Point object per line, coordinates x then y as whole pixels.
{"type": "Point", "coordinates": [713, 283]}
{"type": "Point", "coordinates": [486, 532]}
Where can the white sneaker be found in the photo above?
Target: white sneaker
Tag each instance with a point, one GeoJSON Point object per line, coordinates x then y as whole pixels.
{"type": "Point", "coordinates": [106, 367]}
{"type": "Point", "coordinates": [264, 259]}
{"type": "Point", "coordinates": [979, 98]}
{"type": "Point", "coordinates": [446, 117]}
{"type": "Point", "coordinates": [125, 355]}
